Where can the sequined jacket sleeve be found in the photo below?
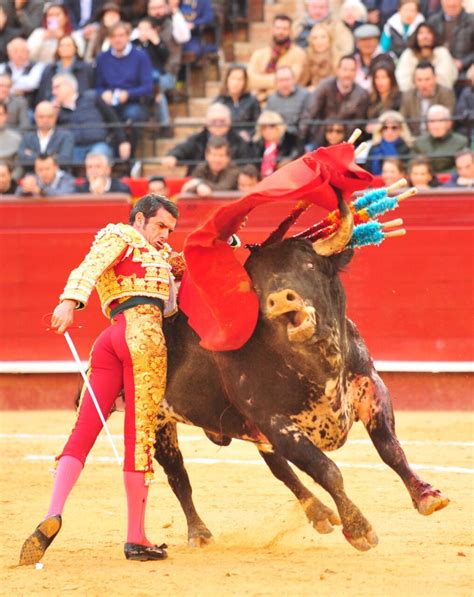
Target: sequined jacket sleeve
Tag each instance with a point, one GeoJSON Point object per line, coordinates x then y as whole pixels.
{"type": "Point", "coordinates": [108, 248]}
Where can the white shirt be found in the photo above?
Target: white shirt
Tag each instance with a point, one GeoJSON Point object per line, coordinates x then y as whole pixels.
{"type": "Point", "coordinates": [44, 140]}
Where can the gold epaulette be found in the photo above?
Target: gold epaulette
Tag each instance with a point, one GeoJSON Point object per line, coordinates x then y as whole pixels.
{"type": "Point", "coordinates": [108, 245]}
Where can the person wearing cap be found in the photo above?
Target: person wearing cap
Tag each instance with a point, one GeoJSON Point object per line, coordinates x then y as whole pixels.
{"type": "Point", "coordinates": [367, 38]}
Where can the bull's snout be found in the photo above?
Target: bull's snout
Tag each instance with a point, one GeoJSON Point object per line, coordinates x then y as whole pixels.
{"type": "Point", "coordinates": [282, 302]}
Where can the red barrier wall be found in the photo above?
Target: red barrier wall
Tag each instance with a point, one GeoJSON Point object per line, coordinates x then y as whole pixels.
{"type": "Point", "coordinates": [412, 297]}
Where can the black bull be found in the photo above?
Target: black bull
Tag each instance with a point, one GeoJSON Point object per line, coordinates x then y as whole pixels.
{"type": "Point", "coordinates": [294, 389]}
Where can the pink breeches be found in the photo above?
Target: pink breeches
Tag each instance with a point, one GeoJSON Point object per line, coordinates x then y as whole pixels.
{"type": "Point", "coordinates": [130, 354]}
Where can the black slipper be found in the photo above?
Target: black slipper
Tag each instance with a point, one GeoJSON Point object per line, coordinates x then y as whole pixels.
{"type": "Point", "coordinates": [34, 547]}
{"type": "Point", "coordinates": [142, 553]}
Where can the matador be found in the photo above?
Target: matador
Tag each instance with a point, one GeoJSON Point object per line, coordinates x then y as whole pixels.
{"type": "Point", "coordinates": [133, 270]}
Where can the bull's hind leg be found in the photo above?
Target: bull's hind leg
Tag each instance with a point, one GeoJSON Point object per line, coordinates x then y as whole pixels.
{"type": "Point", "coordinates": [168, 454]}
{"type": "Point", "coordinates": [374, 409]}
{"type": "Point", "coordinates": [290, 442]}
{"type": "Point", "coordinates": [320, 516]}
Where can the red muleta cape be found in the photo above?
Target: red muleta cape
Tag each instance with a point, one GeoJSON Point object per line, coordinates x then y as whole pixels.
{"type": "Point", "coordinates": [216, 292]}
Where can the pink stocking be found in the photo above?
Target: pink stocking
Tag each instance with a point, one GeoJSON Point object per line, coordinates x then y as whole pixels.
{"type": "Point", "coordinates": [67, 473]}
{"type": "Point", "coordinates": [137, 494]}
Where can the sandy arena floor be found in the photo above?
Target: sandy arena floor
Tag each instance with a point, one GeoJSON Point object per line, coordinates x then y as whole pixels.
{"type": "Point", "coordinates": [263, 544]}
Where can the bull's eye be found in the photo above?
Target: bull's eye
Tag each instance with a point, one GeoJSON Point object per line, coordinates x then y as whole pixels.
{"type": "Point", "coordinates": [310, 265]}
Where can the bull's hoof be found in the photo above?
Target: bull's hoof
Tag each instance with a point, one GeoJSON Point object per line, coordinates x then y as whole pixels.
{"type": "Point", "coordinates": [363, 543]}
{"type": "Point", "coordinates": [431, 502]}
{"type": "Point", "coordinates": [200, 538]}
{"type": "Point", "coordinates": [320, 516]}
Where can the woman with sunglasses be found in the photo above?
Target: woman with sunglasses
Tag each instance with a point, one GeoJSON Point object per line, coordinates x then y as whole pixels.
{"type": "Point", "coordinates": [274, 145]}
{"type": "Point", "coordinates": [391, 138]}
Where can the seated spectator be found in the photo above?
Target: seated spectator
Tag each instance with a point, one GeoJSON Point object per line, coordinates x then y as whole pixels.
{"type": "Point", "coordinates": [274, 145]}
{"type": "Point", "coordinates": [218, 124]}
{"type": "Point", "coordinates": [99, 180]}
{"type": "Point", "coordinates": [288, 99]}
{"type": "Point", "coordinates": [280, 52]}
{"type": "Point", "coordinates": [455, 30]}
{"type": "Point", "coordinates": [464, 176]}
{"type": "Point", "coordinates": [334, 133]}
{"type": "Point", "coordinates": [392, 138]}
{"type": "Point", "coordinates": [7, 31]}
{"type": "Point", "coordinates": [440, 143]}
{"type": "Point", "coordinates": [392, 170]}
{"type": "Point", "coordinates": [248, 177]}
{"type": "Point", "coordinates": [77, 110]}
{"type": "Point", "coordinates": [423, 46]}
{"type": "Point", "coordinates": [401, 27]}
{"type": "Point", "coordinates": [124, 79]}
{"type": "Point", "coordinates": [353, 13]}
{"type": "Point", "coordinates": [82, 13]}
{"type": "Point", "coordinates": [25, 15]}
{"type": "Point", "coordinates": [244, 106]}
{"type": "Point", "coordinates": [173, 30]}
{"type": "Point", "coordinates": [157, 185]}
{"type": "Point", "coordinates": [217, 173]}
{"type": "Point", "coordinates": [66, 61]}
{"type": "Point", "coordinates": [337, 98]}
{"type": "Point", "coordinates": [96, 34]}
{"type": "Point", "coordinates": [149, 41]}
{"type": "Point", "coordinates": [464, 110]}
{"type": "Point", "coordinates": [368, 54]}
{"type": "Point", "coordinates": [317, 12]}
{"type": "Point", "coordinates": [46, 138]}
{"type": "Point", "coordinates": [25, 74]}
{"type": "Point", "coordinates": [198, 14]}
{"type": "Point", "coordinates": [9, 139]}
{"type": "Point", "coordinates": [8, 184]}
{"type": "Point", "coordinates": [385, 94]}
{"type": "Point", "coordinates": [43, 41]}
{"type": "Point", "coordinates": [379, 11]}
{"type": "Point", "coordinates": [321, 59]}
{"type": "Point", "coordinates": [47, 181]}
{"type": "Point", "coordinates": [427, 92]}
{"type": "Point", "coordinates": [17, 108]}
{"type": "Point", "coordinates": [421, 175]}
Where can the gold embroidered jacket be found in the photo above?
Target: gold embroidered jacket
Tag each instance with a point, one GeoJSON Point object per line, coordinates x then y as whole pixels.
{"type": "Point", "coordinates": [121, 264]}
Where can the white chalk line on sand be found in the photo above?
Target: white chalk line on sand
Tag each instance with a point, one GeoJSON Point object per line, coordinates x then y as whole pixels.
{"type": "Point", "coordinates": [198, 438]}
{"type": "Point", "coordinates": [433, 468]}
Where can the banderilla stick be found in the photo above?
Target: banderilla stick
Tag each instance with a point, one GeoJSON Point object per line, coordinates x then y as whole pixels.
{"type": "Point", "coordinates": [91, 392]}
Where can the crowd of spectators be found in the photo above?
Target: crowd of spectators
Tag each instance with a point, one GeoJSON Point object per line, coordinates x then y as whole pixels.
{"type": "Point", "coordinates": [78, 80]}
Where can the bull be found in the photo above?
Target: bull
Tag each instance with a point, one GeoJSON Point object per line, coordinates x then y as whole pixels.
{"type": "Point", "coordinates": [294, 389]}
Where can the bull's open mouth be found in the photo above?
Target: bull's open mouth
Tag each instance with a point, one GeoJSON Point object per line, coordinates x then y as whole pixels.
{"type": "Point", "coordinates": [301, 324]}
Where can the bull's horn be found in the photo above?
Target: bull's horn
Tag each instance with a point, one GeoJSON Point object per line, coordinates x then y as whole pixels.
{"type": "Point", "coordinates": [337, 241]}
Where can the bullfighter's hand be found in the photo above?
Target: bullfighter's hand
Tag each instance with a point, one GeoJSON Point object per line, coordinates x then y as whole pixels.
{"type": "Point", "coordinates": [63, 316]}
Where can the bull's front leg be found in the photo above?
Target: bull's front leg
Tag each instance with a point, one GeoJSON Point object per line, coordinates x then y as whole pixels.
{"type": "Point", "coordinates": [168, 454]}
{"type": "Point", "coordinates": [291, 443]}
{"type": "Point", "coordinates": [320, 516]}
{"type": "Point", "coordinates": [374, 408]}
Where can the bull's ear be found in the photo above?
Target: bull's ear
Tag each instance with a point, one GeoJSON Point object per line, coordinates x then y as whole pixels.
{"type": "Point", "coordinates": [341, 260]}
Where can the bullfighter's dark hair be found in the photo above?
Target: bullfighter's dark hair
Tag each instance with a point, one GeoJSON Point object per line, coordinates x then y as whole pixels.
{"type": "Point", "coordinates": [282, 17]}
{"type": "Point", "coordinates": [149, 204]}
